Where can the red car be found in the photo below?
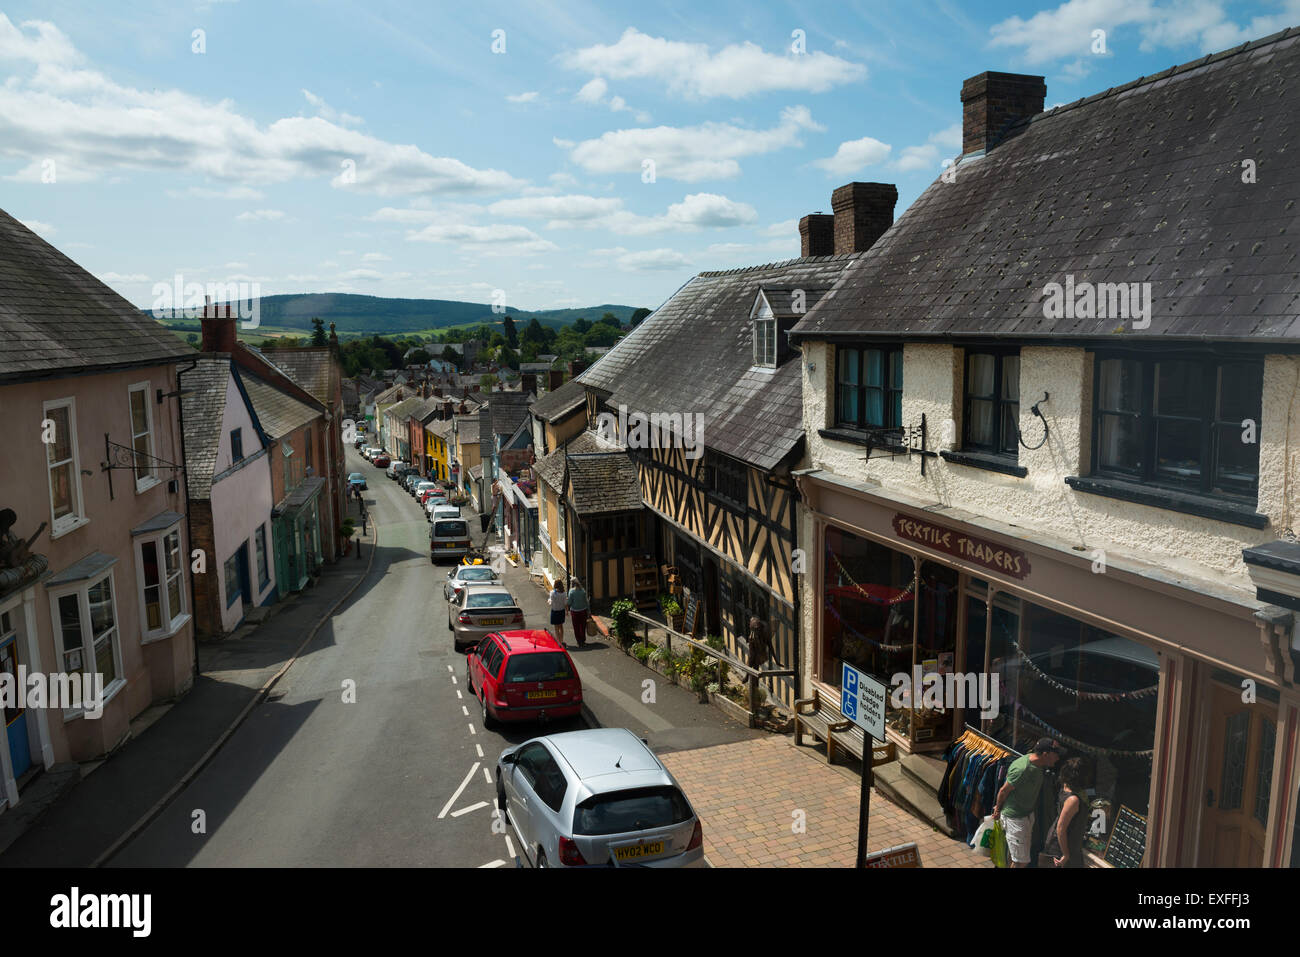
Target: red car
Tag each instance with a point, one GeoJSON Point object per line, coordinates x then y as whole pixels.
{"type": "Point", "coordinates": [381, 462]}
{"type": "Point", "coordinates": [523, 675]}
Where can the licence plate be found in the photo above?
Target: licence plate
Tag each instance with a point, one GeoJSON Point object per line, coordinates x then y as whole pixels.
{"type": "Point", "coordinates": [491, 621]}
{"type": "Point", "coordinates": [537, 695]}
{"type": "Point", "coordinates": [637, 851]}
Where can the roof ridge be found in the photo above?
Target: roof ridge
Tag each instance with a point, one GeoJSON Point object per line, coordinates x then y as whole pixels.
{"type": "Point", "coordinates": [711, 274]}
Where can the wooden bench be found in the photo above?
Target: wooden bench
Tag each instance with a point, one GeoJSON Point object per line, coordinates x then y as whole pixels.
{"type": "Point", "coordinates": [824, 721]}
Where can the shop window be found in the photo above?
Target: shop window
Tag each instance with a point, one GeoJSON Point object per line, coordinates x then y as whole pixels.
{"type": "Point", "coordinates": [1264, 770]}
{"type": "Point", "coordinates": [991, 407]}
{"type": "Point", "coordinates": [869, 388]}
{"type": "Point", "coordinates": [686, 557]}
{"type": "Point", "coordinates": [867, 610]}
{"type": "Point", "coordinates": [1187, 424]}
{"type": "Point", "coordinates": [728, 478]}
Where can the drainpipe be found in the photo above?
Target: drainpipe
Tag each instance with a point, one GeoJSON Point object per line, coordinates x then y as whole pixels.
{"type": "Point", "coordinates": [189, 530]}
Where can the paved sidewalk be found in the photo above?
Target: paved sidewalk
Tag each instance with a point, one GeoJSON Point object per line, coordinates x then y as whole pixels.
{"type": "Point", "coordinates": [747, 795]}
{"type": "Point", "coordinates": [81, 823]}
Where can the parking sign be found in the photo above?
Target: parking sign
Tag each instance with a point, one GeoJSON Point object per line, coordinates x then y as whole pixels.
{"type": "Point", "coordinates": [862, 701]}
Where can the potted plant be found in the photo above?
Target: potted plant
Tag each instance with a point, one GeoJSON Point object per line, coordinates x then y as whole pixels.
{"type": "Point", "coordinates": [624, 629]}
{"type": "Point", "coordinates": [673, 613]}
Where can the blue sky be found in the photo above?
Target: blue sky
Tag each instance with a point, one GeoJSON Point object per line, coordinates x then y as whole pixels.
{"type": "Point", "coordinates": [384, 148]}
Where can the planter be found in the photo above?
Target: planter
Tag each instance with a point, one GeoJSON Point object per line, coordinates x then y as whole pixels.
{"type": "Point", "coordinates": [679, 622]}
{"type": "Point", "coordinates": [731, 709]}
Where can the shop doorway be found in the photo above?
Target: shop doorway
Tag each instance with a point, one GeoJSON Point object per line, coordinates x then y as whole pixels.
{"type": "Point", "coordinates": [1238, 780]}
{"type": "Point", "coordinates": [241, 570]}
{"type": "Point", "coordinates": [15, 718]}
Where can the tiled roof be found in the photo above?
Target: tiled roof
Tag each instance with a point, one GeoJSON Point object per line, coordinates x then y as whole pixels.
{"type": "Point", "coordinates": [404, 408]}
{"type": "Point", "coordinates": [203, 409]}
{"type": "Point", "coordinates": [277, 412]}
{"type": "Point", "coordinates": [56, 317]}
{"type": "Point", "coordinates": [694, 354]}
{"type": "Point", "coordinates": [441, 427]}
{"type": "Point", "coordinates": [555, 405]}
{"type": "Point", "coordinates": [310, 367]}
{"type": "Point", "coordinates": [1140, 184]}
{"type": "Point", "coordinates": [602, 476]}
{"type": "Point", "coordinates": [468, 427]}
{"type": "Point", "coordinates": [508, 411]}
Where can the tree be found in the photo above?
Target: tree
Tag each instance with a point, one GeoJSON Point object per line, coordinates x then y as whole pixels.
{"type": "Point", "coordinates": [637, 317]}
{"type": "Point", "coordinates": [451, 355]}
{"type": "Point", "coordinates": [534, 334]}
{"type": "Point", "coordinates": [601, 334]}
{"type": "Point", "coordinates": [318, 337]}
{"type": "Point", "coordinates": [507, 357]}
{"type": "Point", "coordinates": [418, 358]}
{"type": "Point", "coordinates": [486, 382]}
{"type": "Point", "coordinates": [193, 339]}
{"type": "Point", "coordinates": [610, 319]}
{"type": "Point", "coordinates": [512, 337]}
{"type": "Point", "coordinates": [580, 326]}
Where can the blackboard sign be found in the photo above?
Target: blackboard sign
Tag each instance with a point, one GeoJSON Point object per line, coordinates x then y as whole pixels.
{"type": "Point", "coordinates": [692, 612]}
{"type": "Point", "coordinates": [1128, 839]}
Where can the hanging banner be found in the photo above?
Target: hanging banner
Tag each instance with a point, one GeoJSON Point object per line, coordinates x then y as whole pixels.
{"type": "Point", "coordinates": [1006, 561]}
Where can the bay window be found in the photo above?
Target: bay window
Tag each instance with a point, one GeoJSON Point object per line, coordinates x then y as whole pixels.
{"type": "Point", "coordinates": [86, 629]}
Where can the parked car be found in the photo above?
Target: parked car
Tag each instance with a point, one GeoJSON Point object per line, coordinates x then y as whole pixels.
{"type": "Point", "coordinates": [436, 501]}
{"type": "Point", "coordinates": [382, 461]}
{"type": "Point", "coordinates": [357, 480]}
{"type": "Point", "coordinates": [448, 538]}
{"type": "Point", "coordinates": [393, 468]}
{"type": "Point", "coordinates": [370, 452]}
{"type": "Point", "coordinates": [410, 480]}
{"type": "Point", "coordinates": [424, 490]}
{"type": "Point", "coordinates": [480, 609]}
{"type": "Point", "coordinates": [462, 575]}
{"type": "Point", "coordinates": [523, 675]}
{"type": "Point", "coordinates": [443, 510]}
{"type": "Point", "coordinates": [596, 797]}
{"type": "Point", "coordinates": [360, 443]}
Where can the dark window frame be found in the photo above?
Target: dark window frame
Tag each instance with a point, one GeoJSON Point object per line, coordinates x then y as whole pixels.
{"type": "Point", "coordinates": [1147, 472]}
{"type": "Point", "coordinates": [747, 600]}
{"type": "Point", "coordinates": [236, 445]}
{"type": "Point", "coordinates": [728, 479]}
{"type": "Point", "coordinates": [998, 446]}
{"type": "Point", "coordinates": [891, 411]}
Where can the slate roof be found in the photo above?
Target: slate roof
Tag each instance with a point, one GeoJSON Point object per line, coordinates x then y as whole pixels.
{"type": "Point", "coordinates": [508, 411]}
{"type": "Point", "coordinates": [440, 427]}
{"type": "Point", "coordinates": [56, 317]}
{"type": "Point", "coordinates": [309, 367]}
{"type": "Point", "coordinates": [695, 352]}
{"type": "Point", "coordinates": [203, 409]}
{"type": "Point", "coordinates": [1141, 183]}
{"type": "Point", "coordinates": [557, 404]}
{"type": "Point", "coordinates": [468, 427]}
{"type": "Point", "coordinates": [602, 477]}
{"type": "Point", "coordinates": [277, 412]}
{"type": "Point", "coordinates": [427, 409]}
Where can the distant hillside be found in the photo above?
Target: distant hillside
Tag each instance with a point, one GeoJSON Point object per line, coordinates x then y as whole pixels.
{"type": "Point", "coordinates": [375, 314]}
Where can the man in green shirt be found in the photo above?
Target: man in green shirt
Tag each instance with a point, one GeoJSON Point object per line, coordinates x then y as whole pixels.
{"type": "Point", "coordinates": [1018, 798]}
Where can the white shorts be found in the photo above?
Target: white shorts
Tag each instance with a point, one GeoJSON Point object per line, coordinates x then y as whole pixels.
{"type": "Point", "coordinates": [1020, 834]}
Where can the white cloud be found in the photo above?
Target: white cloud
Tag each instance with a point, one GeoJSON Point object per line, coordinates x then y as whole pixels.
{"type": "Point", "coordinates": [261, 215]}
{"type": "Point", "coordinates": [690, 153]}
{"type": "Point", "coordinates": [205, 192]}
{"type": "Point", "coordinates": [566, 208]}
{"type": "Point", "coordinates": [695, 211]}
{"type": "Point", "coordinates": [112, 277]}
{"type": "Point", "coordinates": [735, 71]}
{"type": "Point", "coordinates": [855, 155]}
{"type": "Point", "coordinates": [325, 111]}
{"type": "Point", "coordinates": [529, 97]}
{"type": "Point", "coordinates": [498, 238]}
{"type": "Point", "coordinates": [92, 126]}
{"type": "Point", "coordinates": [236, 265]}
{"type": "Point", "coordinates": [653, 259]}
{"type": "Point", "coordinates": [787, 227]}
{"type": "Point", "coordinates": [593, 91]}
{"type": "Point", "coordinates": [376, 258]}
{"type": "Point", "coordinates": [944, 144]}
{"type": "Point", "coordinates": [42, 229]}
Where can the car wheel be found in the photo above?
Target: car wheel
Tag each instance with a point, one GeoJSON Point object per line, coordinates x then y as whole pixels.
{"type": "Point", "coordinates": [489, 723]}
{"type": "Point", "coordinates": [502, 806]}
{"type": "Point", "coordinates": [541, 858]}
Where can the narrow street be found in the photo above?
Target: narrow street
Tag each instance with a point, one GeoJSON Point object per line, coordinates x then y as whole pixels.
{"type": "Point", "coordinates": [403, 776]}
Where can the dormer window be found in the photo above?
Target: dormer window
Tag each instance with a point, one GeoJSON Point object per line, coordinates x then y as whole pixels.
{"type": "Point", "coordinates": [776, 311]}
{"type": "Point", "coordinates": [764, 334]}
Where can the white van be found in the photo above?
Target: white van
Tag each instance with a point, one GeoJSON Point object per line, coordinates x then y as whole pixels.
{"type": "Point", "coordinates": [448, 538]}
{"type": "Point", "coordinates": [444, 511]}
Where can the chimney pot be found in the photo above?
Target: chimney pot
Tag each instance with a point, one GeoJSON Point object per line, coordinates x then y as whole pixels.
{"type": "Point", "coordinates": [817, 235]}
{"type": "Point", "coordinates": [218, 328]}
{"type": "Point", "coordinates": [863, 213]}
{"type": "Point", "coordinates": [991, 102]}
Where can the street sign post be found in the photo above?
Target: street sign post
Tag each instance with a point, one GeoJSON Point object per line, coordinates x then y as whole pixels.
{"type": "Point", "coordinates": [862, 701]}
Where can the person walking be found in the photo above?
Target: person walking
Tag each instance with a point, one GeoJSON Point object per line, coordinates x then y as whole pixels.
{"type": "Point", "coordinates": [558, 600]}
{"type": "Point", "coordinates": [578, 611]}
{"type": "Point", "coordinates": [1064, 847]}
{"type": "Point", "coordinates": [1015, 802]}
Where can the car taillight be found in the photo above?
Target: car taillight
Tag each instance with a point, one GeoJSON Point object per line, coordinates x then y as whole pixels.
{"type": "Point", "coordinates": [517, 619]}
{"type": "Point", "coordinates": [464, 620]}
{"type": "Point", "coordinates": [570, 856]}
{"type": "Point", "coordinates": [697, 837]}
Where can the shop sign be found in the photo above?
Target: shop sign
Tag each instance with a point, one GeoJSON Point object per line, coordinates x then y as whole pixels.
{"type": "Point", "coordinates": [977, 551]}
{"type": "Point", "coordinates": [905, 855]}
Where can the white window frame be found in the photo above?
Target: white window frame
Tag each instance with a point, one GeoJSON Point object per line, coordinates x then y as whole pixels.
{"type": "Point", "coordinates": [560, 526]}
{"type": "Point", "coordinates": [77, 517]}
{"type": "Point", "coordinates": [149, 480]}
{"type": "Point", "coordinates": [765, 341]}
{"type": "Point", "coordinates": [82, 590]}
{"type": "Point", "coordinates": [173, 619]}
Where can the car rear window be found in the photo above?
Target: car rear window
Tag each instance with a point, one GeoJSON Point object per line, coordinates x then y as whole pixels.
{"type": "Point", "coordinates": [492, 599]}
{"type": "Point", "coordinates": [450, 529]}
{"type": "Point", "coordinates": [539, 666]}
{"type": "Point", "coordinates": [638, 809]}
{"type": "Point", "coordinates": [477, 573]}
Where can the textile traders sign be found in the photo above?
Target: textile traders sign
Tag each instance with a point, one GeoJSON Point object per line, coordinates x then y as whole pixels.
{"type": "Point", "coordinates": [905, 855]}
{"type": "Point", "coordinates": [1007, 561]}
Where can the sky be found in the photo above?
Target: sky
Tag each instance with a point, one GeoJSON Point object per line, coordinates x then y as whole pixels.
{"type": "Point", "coordinates": [541, 155]}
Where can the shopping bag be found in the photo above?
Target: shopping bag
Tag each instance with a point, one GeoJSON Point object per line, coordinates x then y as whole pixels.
{"type": "Point", "coordinates": [591, 627]}
{"type": "Point", "coordinates": [999, 852]}
{"type": "Point", "coordinates": [982, 842]}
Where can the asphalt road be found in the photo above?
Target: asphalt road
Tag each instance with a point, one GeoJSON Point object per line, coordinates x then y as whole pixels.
{"type": "Point", "coordinates": [402, 774]}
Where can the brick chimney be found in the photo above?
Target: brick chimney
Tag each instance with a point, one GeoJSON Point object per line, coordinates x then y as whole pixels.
{"type": "Point", "coordinates": [528, 383]}
{"type": "Point", "coordinates": [218, 324]}
{"type": "Point", "coordinates": [334, 342]}
{"type": "Point", "coordinates": [577, 367]}
{"type": "Point", "coordinates": [991, 102]}
{"type": "Point", "coordinates": [863, 212]}
{"type": "Point", "coordinates": [447, 409]}
{"type": "Point", "coordinates": [554, 379]}
{"type": "Point", "coordinates": [817, 235]}
{"type": "Point", "coordinates": [437, 391]}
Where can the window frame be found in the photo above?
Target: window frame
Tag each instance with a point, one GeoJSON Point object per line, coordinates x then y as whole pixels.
{"type": "Point", "coordinates": [735, 476]}
{"type": "Point", "coordinates": [85, 623]}
{"type": "Point", "coordinates": [1000, 354]}
{"type": "Point", "coordinates": [172, 619]}
{"type": "Point", "coordinates": [77, 516]}
{"type": "Point", "coordinates": [1147, 472]}
{"type": "Point", "coordinates": [892, 413]}
{"type": "Point", "coordinates": [765, 340]}
{"type": "Point", "coordinates": [236, 446]}
{"type": "Point", "coordinates": [150, 478]}
{"type": "Point", "coordinates": [262, 557]}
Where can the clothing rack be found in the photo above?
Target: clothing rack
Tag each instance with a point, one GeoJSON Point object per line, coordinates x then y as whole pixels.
{"type": "Point", "coordinates": [976, 741]}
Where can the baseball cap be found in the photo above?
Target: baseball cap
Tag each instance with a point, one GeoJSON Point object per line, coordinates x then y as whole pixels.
{"type": "Point", "coordinates": [1046, 746]}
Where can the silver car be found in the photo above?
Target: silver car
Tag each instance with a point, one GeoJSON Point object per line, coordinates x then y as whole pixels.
{"type": "Point", "coordinates": [481, 608]}
{"type": "Point", "coordinates": [462, 574]}
{"type": "Point", "coordinates": [596, 798]}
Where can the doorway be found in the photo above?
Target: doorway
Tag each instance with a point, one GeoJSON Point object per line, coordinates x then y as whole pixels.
{"type": "Point", "coordinates": [241, 570]}
{"type": "Point", "coordinates": [1238, 779]}
{"type": "Point", "coordinates": [15, 718]}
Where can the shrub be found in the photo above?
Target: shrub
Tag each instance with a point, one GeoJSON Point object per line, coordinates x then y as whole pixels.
{"type": "Point", "coordinates": [641, 651]}
{"type": "Point", "coordinates": [620, 612]}
{"type": "Point", "coordinates": [669, 605]}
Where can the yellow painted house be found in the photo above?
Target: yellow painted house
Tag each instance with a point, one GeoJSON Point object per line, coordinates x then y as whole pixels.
{"type": "Point", "coordinates": [437, 435]}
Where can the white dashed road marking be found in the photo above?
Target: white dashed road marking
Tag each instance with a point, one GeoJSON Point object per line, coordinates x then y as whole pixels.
{"type": "Point", "coordinates": [464, 710]}
{"type": "Point", "coordinates": [487, 775]}
{"type": "Point", "coordinates": [471, 730]}
{"type": "Point", "coordinates": [496, 863]}
{"type": "Point", "coordinates": [480, 749]}
{"type": "Point", "coordinates": [463, 784]}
